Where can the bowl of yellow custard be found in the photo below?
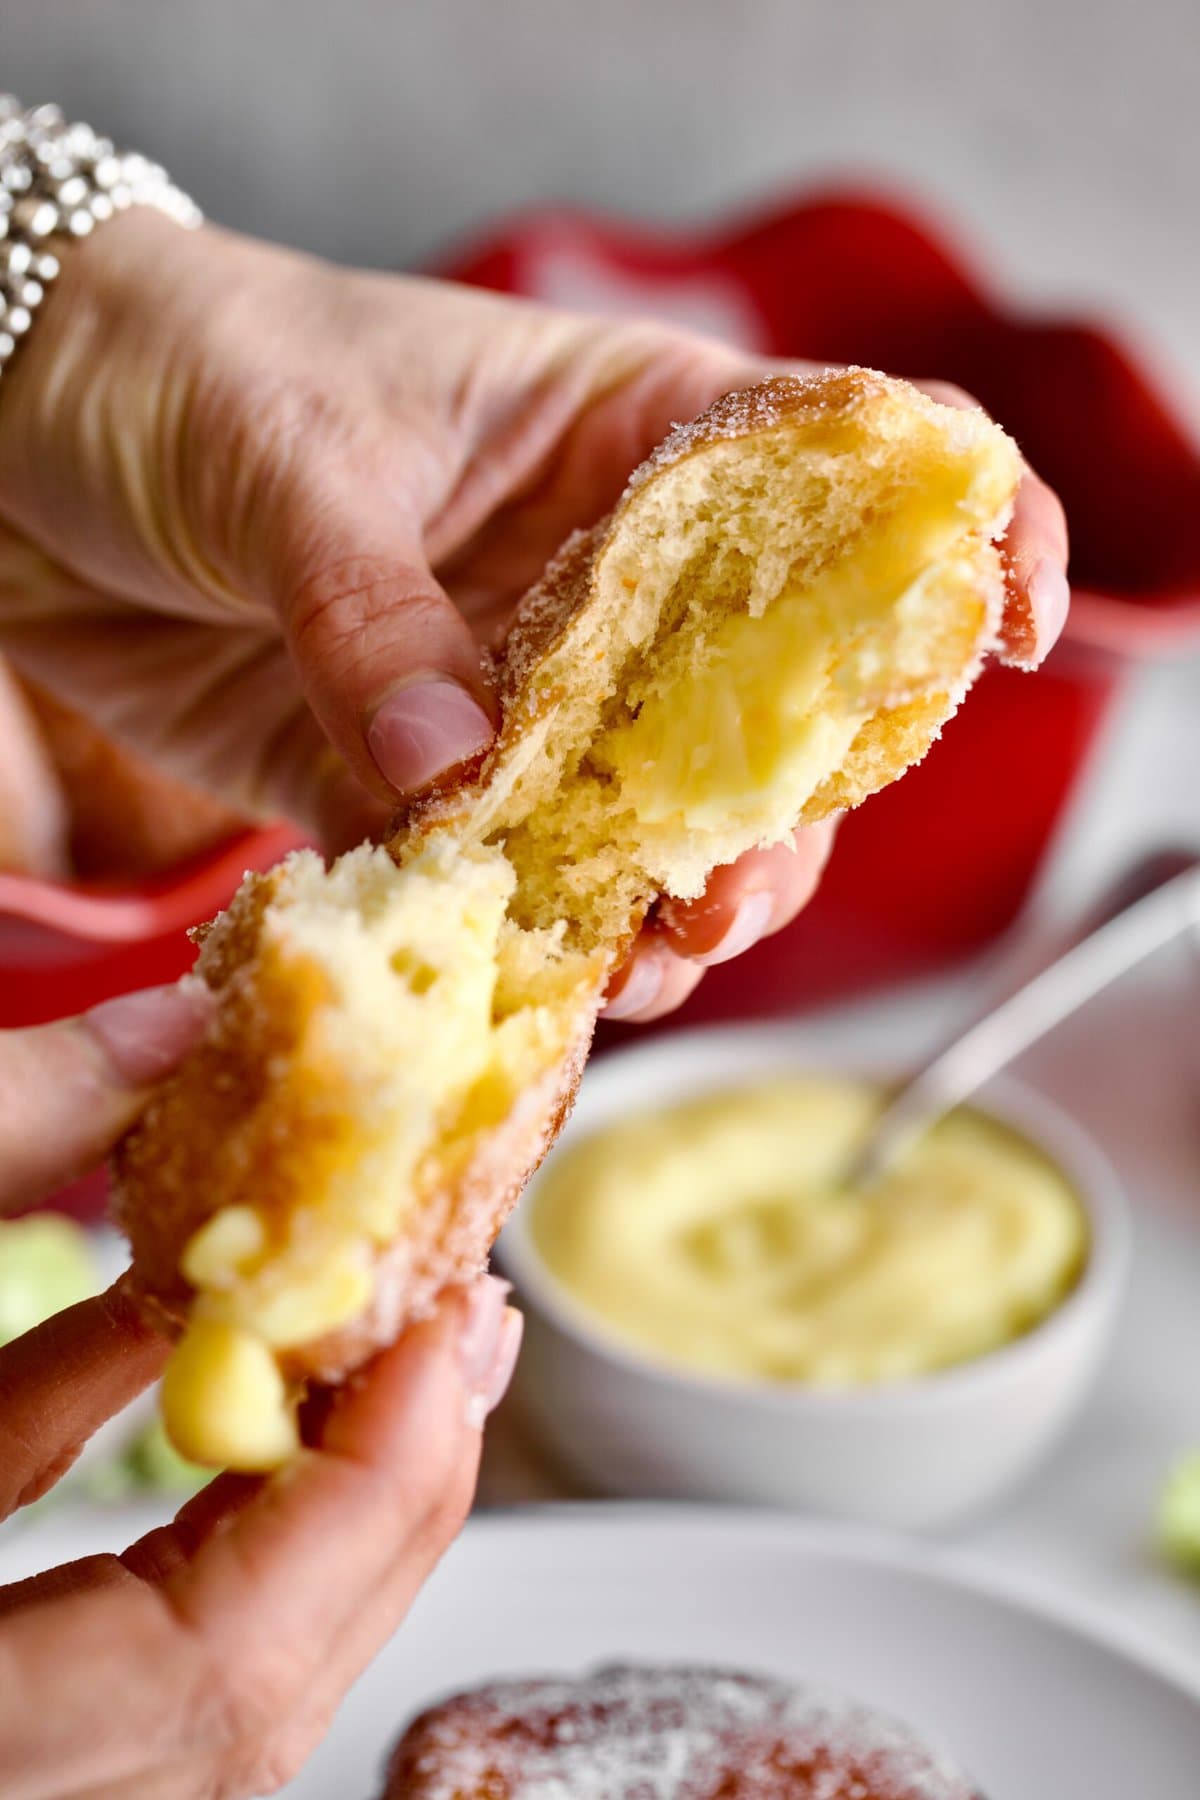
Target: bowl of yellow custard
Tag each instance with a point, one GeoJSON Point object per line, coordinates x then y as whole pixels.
{"type": "Point", "coordinates": [712, 1312]}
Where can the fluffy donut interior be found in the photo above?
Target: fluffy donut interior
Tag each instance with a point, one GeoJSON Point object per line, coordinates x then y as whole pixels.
{"type": "Point", "coordinates": [375, 1026]}
{"type": "Point", "coordinates": [776, 635]}
{"type": "Point", "coordinates": [776, 625]}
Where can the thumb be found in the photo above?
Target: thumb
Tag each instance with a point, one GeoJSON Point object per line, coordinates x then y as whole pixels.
{"type": "Point", "coordinates": [68, 1090]}
{"type": "Point", "coordinates": [387, 662]}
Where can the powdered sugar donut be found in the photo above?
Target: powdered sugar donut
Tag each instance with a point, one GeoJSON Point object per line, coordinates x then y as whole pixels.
{"type": "Point", "coordinates": [664, 1734]}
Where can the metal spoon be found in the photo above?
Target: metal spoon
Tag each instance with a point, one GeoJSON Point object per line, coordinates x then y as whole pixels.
{"type": "Point", "coordinates": [1026, 1015]}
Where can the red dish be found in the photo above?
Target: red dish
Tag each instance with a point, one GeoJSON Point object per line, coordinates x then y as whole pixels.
{"type": "Point", "coordinates": [941, 862]}
{"type": "Point", "coordinates": [63, 949]}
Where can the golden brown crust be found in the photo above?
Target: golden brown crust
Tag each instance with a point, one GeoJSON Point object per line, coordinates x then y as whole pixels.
{"type": "Point", "coordinates": [248, 1118]}
{"type": "Point", "coordinates": [243, 1115]}
{"type": "Point", "coordinates": [824, 393]}
{"type": "Point", "coordinates": [450, 1235]}
{"type": "Point", "coordinates": [569, 580]}
{"type": "Point", "coordinates": [569, 583]}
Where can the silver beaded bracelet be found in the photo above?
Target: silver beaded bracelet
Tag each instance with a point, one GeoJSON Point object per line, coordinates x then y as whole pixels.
{"type": "Point", "coordinates": [58, 182]}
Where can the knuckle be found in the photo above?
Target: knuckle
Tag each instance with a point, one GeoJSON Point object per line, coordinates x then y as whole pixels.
{"type": "Point", "coordinates": [271, 1765]}
{"type": "Point", "coordinates": [440, 1511]}
{"type": "Point", "coordinates": [281, 1756]}
{"type": "Point", "coordinates": [219, 1783]}
{"type": "Point", "coordinates": [280, 412]}
{"type": "Point", "coordinates": [429, 1502]}
{"type": "Point", "coordinates": [345, 603]}
{"type": "Point", "coordinates": [450, 1508]}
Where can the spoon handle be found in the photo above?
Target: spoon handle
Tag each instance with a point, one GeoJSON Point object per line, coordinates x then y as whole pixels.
{"type": "Point", "coordinates": [1025, 1016]}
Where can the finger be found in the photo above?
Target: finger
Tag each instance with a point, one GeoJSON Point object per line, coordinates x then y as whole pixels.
{"type": "Point", "coordinates": [34, 815]}
{"type": "Point", "coordinates": [128, 1691]}
{"type": "Point", "coordinates": [267, 1758]}
{"type": "Point", "coordinates": [749, 899]}
{"type": "Point", "coordinates": [346, 814]}
{"type": "Point", "coordinates": [230, 1643]}
{"type": "Point", "coordinates": [68, 1090]}
{"type": "Point", "coordinates": [387, 662]}
{"type": "Point", "coordinates": [299, 1561]}
{"type": "Point", "coordinates": [89, 1574]}
{"type": "Point", "coordinates": [216, 1507]}
{"type": "Point", "coordinates": [1036, 549]}
{"type": "Point", "coordinates": [1038, 596]}
{"type": "Point", "coordinates": [61, 1381]}
{"type": "Point", "coordinates": [652, 983]}
{"type": "Point", "coordinates": [301, 775]}
{"type": "Point", "coordinates": [374, 1623]}
{"type": "Point", "coordinates": [158, 1554]}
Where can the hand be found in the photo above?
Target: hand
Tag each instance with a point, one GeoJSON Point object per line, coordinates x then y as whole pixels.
{"type": "Point", "coordinates": [209, 1657]}
{"type": "Point", "coordinates": [258, 515]}
{"type": "Point", "coordinates": [33, 813]}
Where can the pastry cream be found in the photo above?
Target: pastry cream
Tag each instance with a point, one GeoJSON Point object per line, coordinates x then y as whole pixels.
{"type": "Point", "coordinates": [777, 701]}
{"type": "Point", "coordinates": [431, 968]}
{"type": "Point", "coordinates": [714, 1235]}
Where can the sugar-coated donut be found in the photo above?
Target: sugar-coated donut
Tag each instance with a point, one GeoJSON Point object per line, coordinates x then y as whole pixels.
{"type": "Point", "coordinates": [777, 619]}
{"type": "Point", "coordinates": [664, 1734]}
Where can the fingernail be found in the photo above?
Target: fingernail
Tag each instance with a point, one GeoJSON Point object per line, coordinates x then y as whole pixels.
{"type": "Point", "coordinates": [750, 920]}
{"type": "Point", "coordinates": [145, 1035]}
{"type": "Point", "coordinates": [423, 729]}
{"type": "Point", "coordinates": [1050, 598]}
{"type": "Point", "coordinates": [642, 987]}
{"type": "Point", "coordinates": [480, 1333]}
{"type": "Point", "coordinates": [487, 1398]}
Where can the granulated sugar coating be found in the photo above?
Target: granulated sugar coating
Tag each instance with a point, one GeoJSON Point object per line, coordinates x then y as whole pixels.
{"type": "Point", "coordinates": [664, 1734]}
{"type": "Point", "coordinates": [757, 408]}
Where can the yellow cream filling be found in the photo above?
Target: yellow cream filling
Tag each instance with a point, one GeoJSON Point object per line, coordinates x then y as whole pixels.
{"type": "Point", "coordinates": [715, 1236]}
{"type": "Point", "coordinates": [434, 1030]}
{"type": "Point", "coordinates": [225, 1401]}
{"type": "Point", "coordinates": [770, 705]}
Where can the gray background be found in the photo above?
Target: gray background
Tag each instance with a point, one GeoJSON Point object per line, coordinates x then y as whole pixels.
{"type": "Point", "coordinates": [1063, 134]}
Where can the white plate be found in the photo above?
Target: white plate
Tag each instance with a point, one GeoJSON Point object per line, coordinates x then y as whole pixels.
{"type": "Point", "coordinates": [1036, 1705]}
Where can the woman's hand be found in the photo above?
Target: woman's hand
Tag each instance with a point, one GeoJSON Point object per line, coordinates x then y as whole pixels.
{"type": "Point", "coordinates": [208, 1658]}
{"type": "Point", "coordinates": [258, 515]}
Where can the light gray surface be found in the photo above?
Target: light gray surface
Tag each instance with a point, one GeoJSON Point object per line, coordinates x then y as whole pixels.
{"type": "Point", "coordinates": [1062, 134]}
{"type": "Point", "coordinates": [1037, 1708]}
{"type": "Point", "coordinates": [1128, 1068]}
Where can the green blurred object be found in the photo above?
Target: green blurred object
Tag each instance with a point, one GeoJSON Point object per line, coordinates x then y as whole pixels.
{"type": "Point", "coordinates": [1179, 1515]}
{"type": "Point", "coordinates": [46, 1263]}
{"type": "Point", "coordinates": [148, 1464]}
{"type": "Point", "coordinates": [154, 1463]}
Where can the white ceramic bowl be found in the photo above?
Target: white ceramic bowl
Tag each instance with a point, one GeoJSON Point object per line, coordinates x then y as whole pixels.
{"type": "Point", "coordinates": [920, 1454]}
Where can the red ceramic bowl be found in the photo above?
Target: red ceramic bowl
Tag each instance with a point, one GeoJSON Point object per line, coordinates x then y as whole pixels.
{"type": "Point", "coordinates": [941, 862]}
{"type": "Point", "coordinates": [63, 949]}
